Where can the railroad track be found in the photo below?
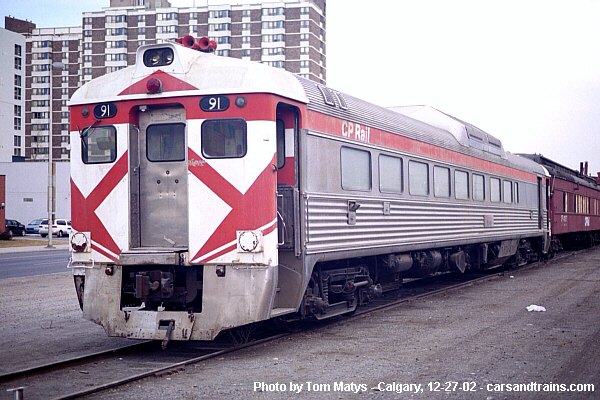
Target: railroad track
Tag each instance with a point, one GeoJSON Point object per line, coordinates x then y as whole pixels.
{"type": "Point", "coordinates": [94, 373]}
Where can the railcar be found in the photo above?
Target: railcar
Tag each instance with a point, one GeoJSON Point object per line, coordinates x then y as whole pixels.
{"type": "Point", "coordinates": [574, 205]}
{"type": "Point", "coordinates": [209, 193]}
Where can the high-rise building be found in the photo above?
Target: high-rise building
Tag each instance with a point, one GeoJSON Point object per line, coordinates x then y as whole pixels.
{"type": "Point", "coordinates": [12, 96]}
{"type": "Point", "coordinates": [53, 75]}
{"type": "Point", "coordinates": [286, 34]}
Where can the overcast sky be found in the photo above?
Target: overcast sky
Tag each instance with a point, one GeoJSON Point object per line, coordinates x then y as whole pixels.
{"type": "Point", "coordinates": [527, 72]}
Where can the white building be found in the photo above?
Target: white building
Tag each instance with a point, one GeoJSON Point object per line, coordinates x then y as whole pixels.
{"type": "Point", "coordinates": [12, 96]}
{"type": "Point", "coordinates": [27, 190]}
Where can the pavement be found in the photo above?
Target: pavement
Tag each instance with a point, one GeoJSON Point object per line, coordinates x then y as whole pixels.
{"type": "Point", "coordinates": [57, 245]}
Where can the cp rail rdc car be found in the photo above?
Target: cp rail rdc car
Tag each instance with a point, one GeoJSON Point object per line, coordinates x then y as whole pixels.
{"type": "Point", "coordinates": [210, 193]}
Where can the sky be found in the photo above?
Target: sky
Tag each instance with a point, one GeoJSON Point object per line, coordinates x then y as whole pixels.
{"type": "Point", "coordinates": [525, 71]}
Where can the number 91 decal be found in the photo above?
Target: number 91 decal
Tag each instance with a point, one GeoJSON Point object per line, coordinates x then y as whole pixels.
{"type": "Point", "coordinates": [214, 103]}
{"type": "Point", "coordinates": [105, 110]}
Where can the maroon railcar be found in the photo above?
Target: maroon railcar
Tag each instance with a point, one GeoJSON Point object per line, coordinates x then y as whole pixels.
{"type": "Point", "coordinates": [574, 205]}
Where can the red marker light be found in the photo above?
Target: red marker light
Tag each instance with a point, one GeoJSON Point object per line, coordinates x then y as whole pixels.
{"type": "Point", "coordinates": [154, 85]}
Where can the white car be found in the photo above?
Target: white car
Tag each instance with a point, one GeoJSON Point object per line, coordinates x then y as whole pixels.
{"type": "Point", "coordinates": [60, 228]}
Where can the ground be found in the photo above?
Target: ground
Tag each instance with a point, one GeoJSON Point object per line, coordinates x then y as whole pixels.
{"type": "Point", "coordinates": [476, 342]}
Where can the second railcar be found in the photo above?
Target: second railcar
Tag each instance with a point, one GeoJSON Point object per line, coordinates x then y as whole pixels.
{"type": "Point", "coordinates": [574, 205]}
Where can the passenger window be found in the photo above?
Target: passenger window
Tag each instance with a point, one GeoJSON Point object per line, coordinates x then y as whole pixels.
{"type": "Point", "coordinates": [356, 169]}
{"type": "Point", "coordinates": [418, 178]}
{"type": "Point", "coordinates": [461, 185]}
{"type": "Point", "coordinates": [390, 174]}
{"type": "Point", "coordinates": [441, 181]}
{"type": "Point", "coordinates": [98, 144]}
{"type": "Point", "coordinates": [516, 192]}
{"type": "Point", "coordinates": [478, 187]}
{"type": "Point", "coordinates": [165, 142]}
{"type": "Point", "coordinates": [224, 138]}
{"type": "Point", "coordinates": [508, 192]}
{"type": "Point", "coordinates": [494, 190]}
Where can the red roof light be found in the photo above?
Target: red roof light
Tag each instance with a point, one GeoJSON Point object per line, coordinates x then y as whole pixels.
{"type": "Point", "coordinates": [154, 85]}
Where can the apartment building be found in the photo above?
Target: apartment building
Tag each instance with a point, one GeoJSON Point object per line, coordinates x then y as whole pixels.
{"type": "Point", "coordinates": [287, 34]}
{"type": "Point", "coordinates": [12, 96]}
{"type": "Point", "coordinates": [284, 34]}
{"type": "Point", "coordinates": [53, 75]}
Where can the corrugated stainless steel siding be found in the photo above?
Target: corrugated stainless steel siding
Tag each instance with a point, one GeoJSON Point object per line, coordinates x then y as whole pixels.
{"type": "Point", "coordinates": [410, 223]}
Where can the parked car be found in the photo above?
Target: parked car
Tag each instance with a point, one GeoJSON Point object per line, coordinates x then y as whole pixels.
{"type": "Point", "coordinates": [17, 228]}
{"type": "Point", "coordinates": [34, 226]}
{"type": "Point", "coordinates": [60, 228]}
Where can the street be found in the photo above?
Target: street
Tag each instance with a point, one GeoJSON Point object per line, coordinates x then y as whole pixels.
{"type": "Point", "coordinates": [30, 263]}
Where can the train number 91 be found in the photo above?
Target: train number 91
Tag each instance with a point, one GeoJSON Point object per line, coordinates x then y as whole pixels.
{"type": "Point", "coordinates": [214, 103]}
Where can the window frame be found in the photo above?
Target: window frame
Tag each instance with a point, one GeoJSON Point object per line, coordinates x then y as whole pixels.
{"type": "Point", "coordinates": [215, 120]}
{"type": "Point", "coordinates": [437, 187]}
{"type": "Point", "coordinates": [492, 192]}
{"type": "Point", "coordinates": [477, 192]}
{"type": "Point", "coordinates": [347, 184]}
{"type": "Point", "coordinates": [410, 185]}
{"type": "Point", "coordinates": [85, 143]}
{"type": "Point", "coordinates": [456, 192]}
{"type": "Point", "coordinates": [387, 189]}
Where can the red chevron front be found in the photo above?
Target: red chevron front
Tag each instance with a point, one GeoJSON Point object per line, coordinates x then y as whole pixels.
{"type": "Point", "coordinates": [252, 210]}
{"type": "Point", "coordinates": [83, 212]}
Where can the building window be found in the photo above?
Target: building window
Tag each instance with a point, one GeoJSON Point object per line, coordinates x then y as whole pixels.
{"type": "Point", "coordinates": [356, 169]}
{"type": "Point", "coordinates": [18, 50]}
{"type": "Point", "coordinates": [141, 18]}
{"type": "Point", "coordinates": [272, 11]}
{"type": "Point", "coordinates": [273, 25]}
{"type": "Point", "coordinates": [219, 27]}
{"type": "Point", "coordinates": [168, 16]}
{"type": "Point", "coordinates": [40, 115]}
{"type": "Point", "coordinates": [35, 92]}
{"type": "Point", "coordinates": [17, 124]}
{"type": "Point", "coordinates": [115, 19]}
{"type": "Point", "coordinates": [219, 14]}
{"type": "Point", "coordinates": [18, 63]}
{"type": "Point", "coordinates": [418, 178]}
{"type": "Point", "coordinates": [390, 174]}
{"type": "Point", "coordinates": [18, 93]}
{"type": "Point", "coordinates": [17, 141]}
{"type": "Point", "coordinates": [17, 80]}
{"type": "Point", "coordinates": [40, 103]}
{"type": "Point", "coordinates": [441, 181]}
{"type": "Point", "coordinates": [17, 111]}
{"type": "Point", "coordinates": [478, 187]}
{"type": "Point", "coordinates": [495, 190]}
{"type": "Point", "coordinates": [277, 51]}
{"type": "Point", "coordinates": [166, 29]}
{"type": "Point", "coordinates": [246, 53]}
{"type": "Point", "coordinates": [273, 38]}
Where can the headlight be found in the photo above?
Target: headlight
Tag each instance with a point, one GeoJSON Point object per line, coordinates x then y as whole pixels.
{"type": "Point", "coordinates": [158, 57]}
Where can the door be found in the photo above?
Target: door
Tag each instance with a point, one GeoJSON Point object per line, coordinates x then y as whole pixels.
{"type": "Point", "coordinates": [163, 194]}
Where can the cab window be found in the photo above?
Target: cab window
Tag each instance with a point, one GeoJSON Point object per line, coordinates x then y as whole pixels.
{"type": "Point", "coordinates": [99, 144]}
{"type": "Point", "coordinates": [224, 138]}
